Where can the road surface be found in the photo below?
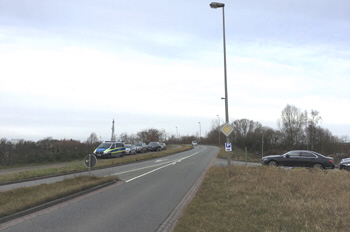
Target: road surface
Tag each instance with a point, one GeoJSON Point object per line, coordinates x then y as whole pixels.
{"type": "Point", "coordinates": [150, 191]}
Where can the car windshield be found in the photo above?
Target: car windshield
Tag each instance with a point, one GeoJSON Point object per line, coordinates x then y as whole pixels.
{"type": "Point", "coordinates": [153, 143]}
{"type": "Point", "coordinates": [104, 145]}
{"type": "Point", "coordinates": [138, 144]}
{"type": "Point", "coordinates": [129, 146]}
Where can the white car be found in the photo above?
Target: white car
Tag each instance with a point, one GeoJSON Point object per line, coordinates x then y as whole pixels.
{"type": "Point", "coordinates": [194, 143]}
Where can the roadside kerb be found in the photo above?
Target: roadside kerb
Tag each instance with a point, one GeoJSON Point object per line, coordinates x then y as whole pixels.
{"type": "Point", "coordinates": [169, 224]}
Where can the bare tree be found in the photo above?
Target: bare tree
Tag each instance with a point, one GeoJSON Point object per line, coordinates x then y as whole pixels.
{"type": "Point", "coordinates": [247, 133]}
{"type": "Point", "coordinates": [291, 125]}
{"type": "Point", "coordinates": [150, 135]}
{"type": "Point", "coordinates": [311, 129]}
{"type": "Point", "coordinates": [92, 139]}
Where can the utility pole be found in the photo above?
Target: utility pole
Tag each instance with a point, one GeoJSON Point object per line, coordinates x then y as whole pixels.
{"type": "Point", "coordinates": [262, 145]}
{"type": "Point", "coordinates": [113, 136]}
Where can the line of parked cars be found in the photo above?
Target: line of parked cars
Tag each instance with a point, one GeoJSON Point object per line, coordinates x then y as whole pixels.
{"type": "Point", "coordinates": [109, 149]}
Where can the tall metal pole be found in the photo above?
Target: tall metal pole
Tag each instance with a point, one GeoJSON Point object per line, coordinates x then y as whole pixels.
{"type": "Point", "coordinates": [200, 131]}
{"type": "Point", "coordinates": [222, 5]}
{"type": "Point", "coordinates": [262, 145]}
{"type": "Point", "coordinates": [226, 95]}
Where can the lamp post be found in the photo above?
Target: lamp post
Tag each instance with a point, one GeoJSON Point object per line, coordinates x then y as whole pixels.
{"type": "Point", "coordinates": [219, 128]}
{"type": "Point", "coordinates": [200, 131]}
{"type": "Point", "coordinates": [216, 5]}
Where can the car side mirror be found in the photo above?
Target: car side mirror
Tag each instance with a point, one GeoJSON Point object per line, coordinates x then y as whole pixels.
{"type": "Point", "coordinates": [287, 156]}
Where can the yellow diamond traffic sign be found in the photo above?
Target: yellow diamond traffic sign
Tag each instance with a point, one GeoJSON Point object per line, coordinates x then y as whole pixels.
{"type": "Point", "coordinates": [227, 129]}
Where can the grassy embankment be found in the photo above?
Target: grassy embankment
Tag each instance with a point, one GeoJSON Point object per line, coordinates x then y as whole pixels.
{"type": "Point", "coordinates": [269, 199]}
{"type": "Point", "coordinates": [79, 166]}
{"type": "Point", "coordinates": [239, 155]}
{"type": "Point", "coordinates": [17, 200]}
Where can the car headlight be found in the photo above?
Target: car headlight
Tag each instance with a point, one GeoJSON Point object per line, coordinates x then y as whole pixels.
{"type": "Point", "coordinates": [346, 164]}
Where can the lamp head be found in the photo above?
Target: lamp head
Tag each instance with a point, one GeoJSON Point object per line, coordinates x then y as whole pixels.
{"type": "Point", "coordinates": [215, 5]}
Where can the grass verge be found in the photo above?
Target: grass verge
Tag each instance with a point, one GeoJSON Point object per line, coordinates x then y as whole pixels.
{"type": "Point", "coordinates": [239, 155]}
{"type": "Point", "coordinates": [269, 199]}
{"type": "Point", "coordinates": [76, 167]}
{"type": "Point", "coordinates": [17, 200]}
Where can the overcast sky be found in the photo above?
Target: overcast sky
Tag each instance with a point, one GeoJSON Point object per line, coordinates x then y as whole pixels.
{"type": "Point", "coordinates": [69, 67]}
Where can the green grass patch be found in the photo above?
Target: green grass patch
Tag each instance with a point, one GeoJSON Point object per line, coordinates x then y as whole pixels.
{"type": "Point", "coordinates": [269, 199]}
{"type": "Point", "coordinates": [79, 166]}
{"type": "Point", "coordinates": [74, 167]}
{"type": "Point", "coordinates": [16, 200]}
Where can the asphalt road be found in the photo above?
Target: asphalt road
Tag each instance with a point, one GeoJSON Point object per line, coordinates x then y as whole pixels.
{"type": "Point", "coordinates": [150, 191]}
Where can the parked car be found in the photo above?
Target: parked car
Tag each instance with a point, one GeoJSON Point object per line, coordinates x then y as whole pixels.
{"type": "Point", "coordinates": [300, 158]}
{"type": "Point", "coordinates": [130, 149]}
{"type": "Point", "coordinates": [163, 145]}
{"type": "Point", "coordinates": [109, 149]}
{"type": "Point", "coordinates": [154, 146]}
{"type": "Point", "coordinates": [345, 164]}
{"type": "Point", "coordinates": [141, 147]}
{"type": "Point", "coordinates": [194, 143]}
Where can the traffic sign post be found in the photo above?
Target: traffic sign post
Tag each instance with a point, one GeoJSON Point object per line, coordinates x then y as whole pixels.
{"type": "Point", "coordinates": [90, 161]}
{"type": "Point", "coordinates": [226, 129]}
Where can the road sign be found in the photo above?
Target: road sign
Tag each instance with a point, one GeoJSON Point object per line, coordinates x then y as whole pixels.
{"type": "Point", "coordinates": [90, 161]}
{"type": "Point", "coordinates": [227, 129]}
{"type": "Point", "coordinates": [228, 147]}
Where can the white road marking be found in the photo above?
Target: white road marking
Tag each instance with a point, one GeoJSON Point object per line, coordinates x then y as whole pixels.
{"type": "Point", "coordinates": [166, 164]}
{"type": "Point", "coordinates": [136, 177]}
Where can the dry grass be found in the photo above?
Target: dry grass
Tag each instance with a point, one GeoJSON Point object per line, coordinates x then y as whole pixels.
{"type": "Point", "coordinates": [269, 199]}
{"type": "Point", "coordinates": [238, 155]}
{"type": "Point", "coordinates": [76, 167]}
{"type": "Point", "coordinates": [20, 199]}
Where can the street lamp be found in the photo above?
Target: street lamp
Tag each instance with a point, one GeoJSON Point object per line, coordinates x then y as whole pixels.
{"type": "Point", "coordinates": [219, 128]}
{"type": "Point", "coordinates": [216, 5]}
{"type": "Point", "coordinates": [200, 131]}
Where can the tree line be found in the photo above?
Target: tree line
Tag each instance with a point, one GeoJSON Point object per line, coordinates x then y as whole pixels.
{"type": "Point", "coordinates": [297, 129]}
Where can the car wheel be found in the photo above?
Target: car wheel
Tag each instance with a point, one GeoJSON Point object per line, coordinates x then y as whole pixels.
{"type": "Point", "coordinates": [319, 166]}
{"type": "Point", "coordinates": [273, 163]}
